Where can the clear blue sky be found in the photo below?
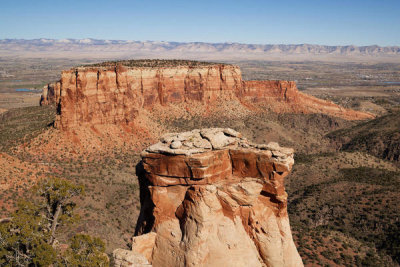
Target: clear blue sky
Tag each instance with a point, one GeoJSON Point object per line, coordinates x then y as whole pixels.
{"type": "Point", "coordinates": [332, 22]}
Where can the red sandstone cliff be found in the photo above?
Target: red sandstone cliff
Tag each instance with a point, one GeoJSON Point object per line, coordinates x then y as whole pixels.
{"type": "Point", "coordinates": [284, 97]}
{"type": "Point", "coordinates": [104, 95]}
{"type": "Point", "coordinates": [211, 198]}
{"type": "Point", "coordinates": [115, 94]}
{"type": "Point", "coordinates": [51, 94]}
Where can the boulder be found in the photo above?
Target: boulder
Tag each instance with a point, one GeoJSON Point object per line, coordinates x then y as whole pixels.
{"type": "Point", "coordinates": [128, 258]}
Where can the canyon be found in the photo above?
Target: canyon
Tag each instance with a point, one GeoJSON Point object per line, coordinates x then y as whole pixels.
{"type": "Point", "coordinates": [210, 197]}
{"type": "Point", "coordinates": [116, 92]}
{"type": "Point", "coordinates": [102, 152]}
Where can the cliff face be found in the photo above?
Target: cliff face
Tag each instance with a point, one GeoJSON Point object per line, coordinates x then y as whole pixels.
{"type": "Point", "coordinates": [257, 91]}
{"type": "Point", "coordinates": [115, 94]}
{"type": "Point", "coordinates": [211, 198]}
{"type": "Point", "coordinates": [101, 96]}
{"type": "Point", "coordinates": [283, 96]}
{"type": "Point", "coordinates": [51, 94]}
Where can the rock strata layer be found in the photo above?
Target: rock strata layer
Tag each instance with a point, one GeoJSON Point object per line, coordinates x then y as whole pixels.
{"type": "Point", "coordinates": [103, 95]}
{"type": "Point", "coordinates": [284, 97]}
{"type": "Point", "coordinates": [116, 94]}
{"type": "Point", "coordinates": [211, 198]}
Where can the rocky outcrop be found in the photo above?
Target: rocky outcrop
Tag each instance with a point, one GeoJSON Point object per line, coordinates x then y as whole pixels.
{"type": "Point", "coordinates": [101, 95]}
{"type": "Point", "coordinates": [211, 198]}
{"type": "Point", "coordinates": [284, 97]}
{"type": "Point", "coordinates": [51, 94]}
{"type": "Point", "coordinates": [115, 94]}
{"type": "Point", "coordinates": [257, 91]}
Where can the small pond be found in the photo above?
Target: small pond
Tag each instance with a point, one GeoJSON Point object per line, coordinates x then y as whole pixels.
{"type": "Point", "coordinates": [25, 90]}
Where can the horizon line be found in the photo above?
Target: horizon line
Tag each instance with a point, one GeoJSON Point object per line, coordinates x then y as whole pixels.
{"type": "Point", "coordinates": [195, 42]}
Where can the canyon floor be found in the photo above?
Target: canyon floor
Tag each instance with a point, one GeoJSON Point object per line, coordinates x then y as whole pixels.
{"type": "Point", "coordinates": [343, 203]}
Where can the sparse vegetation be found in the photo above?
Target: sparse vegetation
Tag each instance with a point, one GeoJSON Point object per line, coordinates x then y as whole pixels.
{"type": "Point", "coordinates": [20, 125]}
{"type": "Point", "coordinates": [150, 63]}
{"type": "Point", "coordinates": [357, 202]}
{"type": "Point", "coordinates": [27, 238]}
{"type": "Point", "coordinates": [379, 137]}
{"type": "Point", "coordinates": [343, 206]}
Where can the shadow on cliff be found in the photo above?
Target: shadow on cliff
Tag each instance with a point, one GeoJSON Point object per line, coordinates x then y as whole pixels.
{"type": "Point", "coordinates": [145, 220]}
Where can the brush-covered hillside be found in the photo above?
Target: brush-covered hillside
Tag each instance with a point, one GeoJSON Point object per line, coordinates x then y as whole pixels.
{"type": "Point", "coordinates": [379, 137]}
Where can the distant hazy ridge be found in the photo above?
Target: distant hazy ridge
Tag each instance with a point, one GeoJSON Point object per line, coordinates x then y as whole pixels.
{"type": "Point", "coordinates": [118, 48]}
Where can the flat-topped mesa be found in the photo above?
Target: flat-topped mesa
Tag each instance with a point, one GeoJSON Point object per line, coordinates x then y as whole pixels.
{"type": "Point", "coordinates": [211, 198]}
{"type": "Point", "coordinates": [115, 92]}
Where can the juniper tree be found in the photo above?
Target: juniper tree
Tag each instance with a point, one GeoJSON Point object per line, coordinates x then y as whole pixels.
{"type": "Point", "coordinates": [27, 237]}
{"type": "Point", "coordinates": [58, 205]}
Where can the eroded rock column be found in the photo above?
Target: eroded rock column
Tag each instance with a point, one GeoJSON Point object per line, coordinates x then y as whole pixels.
{"type": "Point", "coordinates": [211, 198]}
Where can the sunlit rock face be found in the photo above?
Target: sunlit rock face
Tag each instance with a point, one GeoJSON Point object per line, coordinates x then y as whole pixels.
{"type": "Point", "coordinates": [103, 95]}
{"type": "Point", "coordinates": [99, 95]}
{"type": "Point", "coordinates": [51, 94]}
{"type": "Point", "coordinates": [284, 97]}
{"type": "Point", "coordinates": [209, 197]}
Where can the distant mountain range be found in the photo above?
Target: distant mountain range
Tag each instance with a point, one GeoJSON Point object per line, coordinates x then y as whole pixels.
{"type": "Point", "coordinates": [119, 48]}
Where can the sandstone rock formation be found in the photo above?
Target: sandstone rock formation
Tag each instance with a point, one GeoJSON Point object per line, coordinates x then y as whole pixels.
{"type": "Point", "coordinates": [115, 94]}
{"type": "Point", "coordinates": [211, 198]}
{"type": "Point", "coordinates": [101, 95]}
{"type": "Point", "coordinates": [51, 94]}
{"type": "Point", "coordinates": [284, 97]}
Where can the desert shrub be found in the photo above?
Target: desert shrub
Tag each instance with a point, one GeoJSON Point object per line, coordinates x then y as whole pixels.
{"type": "Point", "coordinates": [86, 251]}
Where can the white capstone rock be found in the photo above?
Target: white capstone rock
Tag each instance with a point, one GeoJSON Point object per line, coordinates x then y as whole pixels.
{"type": "Point", "coordinates": [176, 144]}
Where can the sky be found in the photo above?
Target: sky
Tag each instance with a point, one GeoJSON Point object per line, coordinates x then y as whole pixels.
{"type": "Point", "coordinates": [328, 22]}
